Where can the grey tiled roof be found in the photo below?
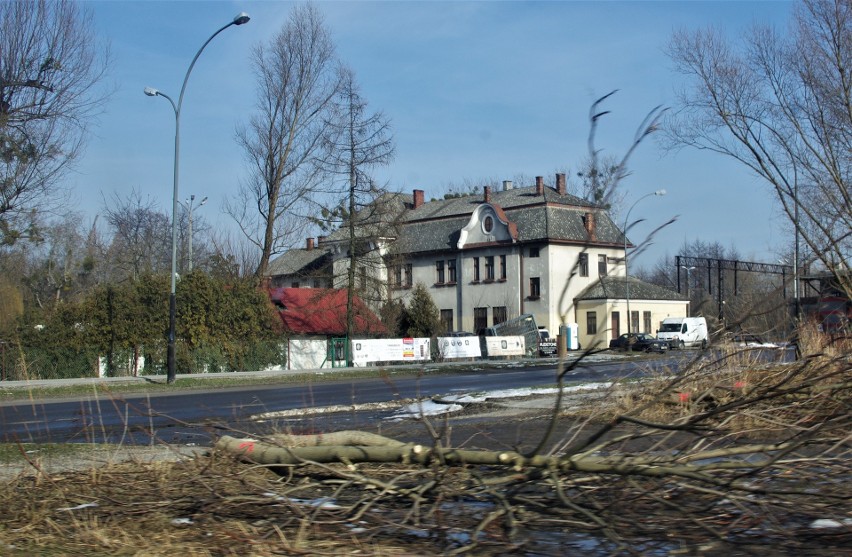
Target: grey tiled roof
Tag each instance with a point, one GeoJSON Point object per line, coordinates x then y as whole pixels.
{"type": "Point", "coordinates": [297, 260]}
{"type": "Point", "coordinates": [616, 287]}
{"type": "Point", "coordinates": [507, 199]}
{"type": "Point", "coordinates": [435, 225]}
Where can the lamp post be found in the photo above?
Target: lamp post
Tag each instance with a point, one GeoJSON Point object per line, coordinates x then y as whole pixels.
{"type": "Point", "coordinates": [626, 274]}
{"type": "Point", "coordinates": [687, 278]}
{"type": "Point", "coordinates": [151, 92]}
{"type": "Point", "coordinates": [187, 205]}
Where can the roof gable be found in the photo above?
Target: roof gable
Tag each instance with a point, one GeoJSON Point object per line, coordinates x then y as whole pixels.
{"type": "Point", "coordinates": [488, 223]}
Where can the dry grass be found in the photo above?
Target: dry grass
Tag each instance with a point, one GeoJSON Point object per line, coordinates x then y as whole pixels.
{"type": "Point", "coordinates": [218, 505]}
{"type": "Point", "coordinates": [199, 507]}
{"type": "Point", "coordinates": [738, 391]}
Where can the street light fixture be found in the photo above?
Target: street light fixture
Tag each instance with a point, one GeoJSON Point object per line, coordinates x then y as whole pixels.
{"type": "Point", "coordinates": [187, 205]}
{"type": "Point", "coordinates": [626, 274]}
{"type": "Point", "coordinates": [687, 278]}
{"type": "Point", "coordinates": [151, 92]}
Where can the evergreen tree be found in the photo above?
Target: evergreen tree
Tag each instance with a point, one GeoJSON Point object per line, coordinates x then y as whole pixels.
{"type": "Point", "coordinates": [422, 316]}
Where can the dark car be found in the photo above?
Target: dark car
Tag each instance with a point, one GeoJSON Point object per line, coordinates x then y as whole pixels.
{"type": "Point", "coordinates": [638, 342]}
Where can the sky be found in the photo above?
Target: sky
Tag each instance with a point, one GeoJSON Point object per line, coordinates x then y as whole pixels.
{"type": "Point", "coordinates": [473, 90]}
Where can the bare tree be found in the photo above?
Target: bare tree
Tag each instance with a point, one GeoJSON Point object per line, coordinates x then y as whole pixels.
{"type": "Point", "coordinates": [140, 239]}
{"type": "Point", "coordinates": [233, 256]}
{"type": "Point", "coordinates": [357, 142]}
{"type": "Point", "coordinates": [598, 177]}
{"type": "Point", "coordinates": [50, 67]}
{"type": "Point", "coordinates": [780, 103]}
{"type": "Point", "coordinates": [297, 78]}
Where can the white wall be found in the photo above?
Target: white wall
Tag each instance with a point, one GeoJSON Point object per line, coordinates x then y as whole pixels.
{"type": "Point", "coordinates": [561, 261]}
{"type": "Point", "coordinates": [307, 353]}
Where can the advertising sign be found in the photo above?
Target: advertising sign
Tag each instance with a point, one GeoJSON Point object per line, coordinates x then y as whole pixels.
{"type": "Point", "coordinates": [459, 347]}
{"type": "Point", "coordinates": [390, 350]}
{"type": "Point", "coordinates": [505, 346]}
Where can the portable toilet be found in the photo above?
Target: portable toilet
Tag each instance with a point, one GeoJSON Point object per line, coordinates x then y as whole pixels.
{"type": "Point", "coordinates": [570, 336]}
{"type": "Point", "coordinates": [573, 336]}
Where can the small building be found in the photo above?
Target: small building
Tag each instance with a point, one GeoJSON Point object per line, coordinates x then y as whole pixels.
{"type": "Point", "coordinates": [314, 317]}
{"type": "Point", "coordinates": [600, 309]}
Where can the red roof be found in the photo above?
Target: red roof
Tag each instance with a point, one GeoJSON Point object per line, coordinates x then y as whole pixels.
{"type": "Point", "coordinates": [322, 311]}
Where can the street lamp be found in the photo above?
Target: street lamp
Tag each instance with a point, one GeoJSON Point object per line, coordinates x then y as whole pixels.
{"type": "Point", "coordinates": [626, 274]}
{"type": "Point", "coordinates": [687, 278]}
{"type": "Point", "coordinates": [187, 205]}
{"type": "Point", "coordinates": [151, 92]}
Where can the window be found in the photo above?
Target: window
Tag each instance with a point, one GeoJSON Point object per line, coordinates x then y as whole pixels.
{"type": "Point", "coordinates": [480, 319]}
{"type": "Point", "coordinates": [502, 267]}
{"type": "Point", "coordinates": [489, 267]}
{"type": "Point", "coordinates": [535, 288]}
{"type": "Point", "coordinates": [591, 322]}
{"type": "Point", "coordinates": [397, 276]}
{"type": "Point", "coordinates": [408, 281]}
{"type": "Point", "coordinates": [362, 272]}
{"type": "Point", "coordinates": [646, 317]}
{"type": "Point", "coordinates": [451, 271]}
{"type": "Point", "coordinates": [294, 285]}
{"type": "Point", "coordinates": [583, 264]}
{"type": "Point", "coordinates": [475, 269]}
{"type": "Point", "coordinates": [439, 267]}
{"type": "Point", "coordinates": [533, 252]}
{"type": "Point", "coordinates": [316, 283]}
{"type": "Point", "coordinates": [602, 265]}
{"type": "Point", "coordinates": [633, 326]}
{"type": "Point", "coordinates": [447, 319]}
{"type": "Point", "coordinates": [499, 314]}
{"type": "Point", "coordinates": [488, 224]}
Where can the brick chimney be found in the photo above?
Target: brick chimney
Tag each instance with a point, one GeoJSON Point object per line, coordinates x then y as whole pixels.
{"type": "Point", "coordinates": [488, 194]}
{"type": "Point", "coordinates": [589, 222]}
{"type": "Point", "coordinates": [539, 185]}
{"type": "Point", "coordinates": [320, 240]}
{"type": "Point", "coordinates": [418, 198]}
{"type": "Point", "coordinates": [309, 245]}
{"type": "Point", "coordinates": [561, 187]}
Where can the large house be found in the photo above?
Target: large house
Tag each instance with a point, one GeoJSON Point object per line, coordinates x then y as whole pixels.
{"type": "Point", "coordinates": [487, 258]}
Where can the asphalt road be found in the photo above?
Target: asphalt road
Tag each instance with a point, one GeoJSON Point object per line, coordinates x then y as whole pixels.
{"type": "Point", "coordinates": [195, 416]}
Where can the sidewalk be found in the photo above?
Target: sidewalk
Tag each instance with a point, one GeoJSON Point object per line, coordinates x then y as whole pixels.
{"type": "Point", "coordinates": [143, 379]}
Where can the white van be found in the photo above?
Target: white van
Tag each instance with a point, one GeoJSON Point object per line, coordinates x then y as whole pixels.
{"type": "Point", "coordinates": [682, 332]}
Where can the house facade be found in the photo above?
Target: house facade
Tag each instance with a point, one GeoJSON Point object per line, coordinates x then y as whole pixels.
{"type": "Point", "coordinates": [490, 257]}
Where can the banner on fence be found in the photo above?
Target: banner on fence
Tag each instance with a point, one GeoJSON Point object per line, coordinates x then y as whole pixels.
{"type": "Point", "coordinates": [505, 346]}
{"type": "Point", "coordinates": [459, 347]}
{"type": "Point", "coordinates": [390, 350]}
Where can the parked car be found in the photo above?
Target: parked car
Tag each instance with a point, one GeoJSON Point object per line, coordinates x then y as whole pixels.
{"type": "Point", "coordinates": [638, 342]}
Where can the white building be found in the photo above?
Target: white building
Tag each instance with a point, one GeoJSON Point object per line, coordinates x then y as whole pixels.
{"type": "Point", "coordinates": [488, 258]}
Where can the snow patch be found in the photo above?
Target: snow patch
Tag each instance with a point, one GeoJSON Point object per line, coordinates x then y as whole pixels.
{"type": "Point", "coordinates": [424, 408]}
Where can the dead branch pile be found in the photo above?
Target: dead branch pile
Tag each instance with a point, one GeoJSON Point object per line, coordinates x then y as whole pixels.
{"type": "Point", "coordinates": [745, 455]}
